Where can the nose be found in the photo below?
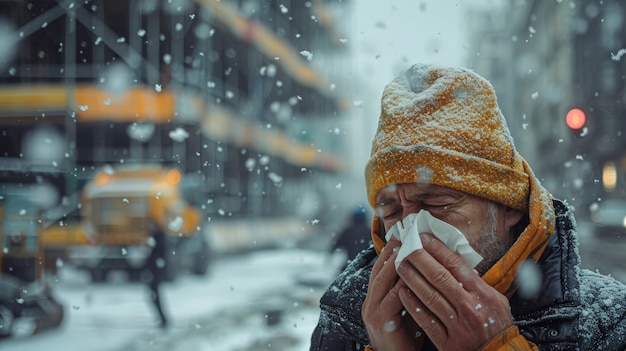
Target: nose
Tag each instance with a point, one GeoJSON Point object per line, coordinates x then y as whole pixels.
{"type": "Point", "coordinates": [407, 210]}
{"type": "Point", "coordinates": [409, 205]}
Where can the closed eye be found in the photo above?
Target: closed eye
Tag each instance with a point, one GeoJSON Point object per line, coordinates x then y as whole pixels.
{"type": "Point", "coordinates": [442, 207]}
{"type": "Point", "coordinates": [391, 215]}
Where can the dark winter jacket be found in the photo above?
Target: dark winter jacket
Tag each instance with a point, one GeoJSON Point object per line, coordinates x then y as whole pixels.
{"type": "Point", "coordinates": [576, 309]}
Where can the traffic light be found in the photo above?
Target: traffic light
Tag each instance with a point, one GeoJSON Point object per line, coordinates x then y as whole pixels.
{"type": "Point", "coordinates": [576, 119]}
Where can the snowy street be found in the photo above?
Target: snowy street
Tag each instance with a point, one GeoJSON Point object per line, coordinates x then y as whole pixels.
{"type": "Point", "coordinates": [232, 308]}
{"type": "Point", "coordinates": [264, 300]}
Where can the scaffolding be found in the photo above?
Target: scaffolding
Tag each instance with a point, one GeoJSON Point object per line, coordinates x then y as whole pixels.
{"type": "Point", "coordinates": [212, 87]}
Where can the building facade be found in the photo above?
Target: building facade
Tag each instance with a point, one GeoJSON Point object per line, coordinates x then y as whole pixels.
{"type": "Point", "coordinates": [546, 58]}
{"type": "Point", "coordinates": [240, 95]}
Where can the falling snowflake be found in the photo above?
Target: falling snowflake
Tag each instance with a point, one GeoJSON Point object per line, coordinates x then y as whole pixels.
{"type": "Point", "coordinates": [175, 224]}
{"type": "Point", "coordinates": [178, 134]}
{"type": "Point", "coordinates": [275, 178]}
{"type": "Point", "coordinates": [307, 54]}
{"type": "Point", "coordinates": [619, 55]}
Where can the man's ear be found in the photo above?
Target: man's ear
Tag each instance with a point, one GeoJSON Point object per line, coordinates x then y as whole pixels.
{"type": "Point", "coordinates": [512, 217]}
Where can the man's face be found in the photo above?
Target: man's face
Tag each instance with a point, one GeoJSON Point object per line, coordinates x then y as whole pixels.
{"type": "Point", "coordinates": [484, 223]}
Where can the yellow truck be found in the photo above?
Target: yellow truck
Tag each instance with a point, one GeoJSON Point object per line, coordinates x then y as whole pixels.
{"type": "Point", "coordinates": [113, 232]}
{"type": "Point", "coordinates": [27, 305]}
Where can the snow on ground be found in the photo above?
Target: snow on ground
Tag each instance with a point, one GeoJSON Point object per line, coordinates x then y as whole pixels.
{"type": "Point", "coordinates": [231, 309]}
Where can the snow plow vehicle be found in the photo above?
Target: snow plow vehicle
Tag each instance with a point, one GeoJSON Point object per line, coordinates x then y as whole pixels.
{"type": "Point", "coordinates": [113, 232]}
{"type": "Point", "coordinates": [27, 305]}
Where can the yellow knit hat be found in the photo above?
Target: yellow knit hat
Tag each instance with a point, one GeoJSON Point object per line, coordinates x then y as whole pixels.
{"type": "Point", "coordinates": [442, 125]}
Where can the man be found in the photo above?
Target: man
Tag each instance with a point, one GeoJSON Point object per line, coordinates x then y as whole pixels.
{"type": "Point", "coordinates": [442, 146]}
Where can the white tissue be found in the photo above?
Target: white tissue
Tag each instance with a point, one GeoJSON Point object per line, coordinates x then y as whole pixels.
{"type": "Point", "coordinates": [407, 231]}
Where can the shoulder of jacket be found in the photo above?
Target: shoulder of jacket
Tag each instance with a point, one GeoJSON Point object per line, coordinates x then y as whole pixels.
{"type": "Point", "coordinates": [603, 310]}
{"type": "Point", "coordinates": [603, 292]}
{"type": "Point", "coordinates": [351, 284]}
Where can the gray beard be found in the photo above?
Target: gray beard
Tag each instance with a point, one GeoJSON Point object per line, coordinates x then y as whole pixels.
{"type": "Point", "coordinates": [490, 246]}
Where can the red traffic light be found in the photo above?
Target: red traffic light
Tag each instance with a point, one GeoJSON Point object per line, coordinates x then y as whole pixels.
{"type": "Point", "coordinates": [576, 118]}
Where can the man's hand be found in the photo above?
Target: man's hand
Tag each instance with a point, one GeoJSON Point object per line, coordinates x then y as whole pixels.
{"type": "Point", "coordinates": [446, 297]}
{"type": "Point", "coordinates": [389, 327]}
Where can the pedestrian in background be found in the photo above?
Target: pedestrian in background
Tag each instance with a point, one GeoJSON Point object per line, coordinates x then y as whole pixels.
{"type": "Point", "coordinates": [156, 266]}
{"type": "Point", "coordinates": [354, 237]}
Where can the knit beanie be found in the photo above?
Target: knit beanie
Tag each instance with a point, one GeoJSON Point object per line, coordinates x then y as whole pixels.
{"type": "Point", "coordinates": [443, 126]}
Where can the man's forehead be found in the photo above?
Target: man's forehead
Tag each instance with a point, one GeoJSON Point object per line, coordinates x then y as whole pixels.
{"type": "Point", "coordinates": [390, 193]}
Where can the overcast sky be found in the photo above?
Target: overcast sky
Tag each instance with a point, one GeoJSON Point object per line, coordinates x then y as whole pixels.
{"type": "Point", "coordinates": [393, 34]}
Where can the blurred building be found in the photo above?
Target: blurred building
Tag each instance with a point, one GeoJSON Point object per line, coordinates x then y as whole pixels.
{"type": "Point", "coordinates": [546, 58]}
{"type": "Point", "coordinates": [242, 96]}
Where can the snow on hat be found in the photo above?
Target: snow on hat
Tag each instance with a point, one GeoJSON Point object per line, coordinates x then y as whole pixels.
{"type": "Point", "coordinates": [442, 125]}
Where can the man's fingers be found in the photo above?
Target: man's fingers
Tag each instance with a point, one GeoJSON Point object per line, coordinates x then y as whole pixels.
{"type": "Point", "coordinates": [384, 255]}
{"type": "Point", "coordinates": [427, 321]}
{"type": "Point", "coordinates": [384, 271]}
{"type": "Point", "coordinates": [463, 274]}
{"type": "Point", "coordinates": [431, 293]}
{"type": "Point", "coordinates": [429, 275]}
